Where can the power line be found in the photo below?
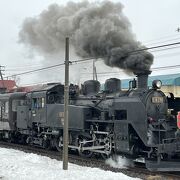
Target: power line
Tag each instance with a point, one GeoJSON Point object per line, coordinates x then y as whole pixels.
{"type": "Point", "coordinates": [92, 58]}
{"type": "Point", "coordinates": [84, 60]}
{"type": "Point", "coordinates": [160, 42]}
{"type": "Point", "coordinates": [163, 37]}
{"type": "Point", "coordinates": [131, 52]}
{"type": "Point", "coordinates": [154, 69]}
{"type": "Point", "coordinates": [105, 73]}
{"type": "Point", "coordinates": [144, 43]}
{"type": "Point", "coordinates": [158, 50]}
{"type": "Point", "coordinates": [18, 68]}
{"type": "Point", "coordinates": [166, 67]}
{"type": "Point", "coordinates": [167, 55]}
{"type": "Point", "coordinates": [156, 47]}
{"type": "Point", "coordinates": [36, 70]}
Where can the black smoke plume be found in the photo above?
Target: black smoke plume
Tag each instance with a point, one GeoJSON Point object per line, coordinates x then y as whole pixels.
{"type": "Point", "coordinates": [96, 30]}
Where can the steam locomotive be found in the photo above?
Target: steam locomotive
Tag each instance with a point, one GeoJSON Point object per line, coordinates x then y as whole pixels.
{"type": "Point", "coordinates": [140, 122]}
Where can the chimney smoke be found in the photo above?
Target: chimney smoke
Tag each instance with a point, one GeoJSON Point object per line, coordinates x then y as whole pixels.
{"type": "Point", "coordinates": [96, 29]}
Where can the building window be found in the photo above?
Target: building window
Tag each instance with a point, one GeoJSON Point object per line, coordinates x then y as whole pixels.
{"type": "Point", "coordinates": [42, 102]}
{"type": "Point", "coordinates": [34, 103]}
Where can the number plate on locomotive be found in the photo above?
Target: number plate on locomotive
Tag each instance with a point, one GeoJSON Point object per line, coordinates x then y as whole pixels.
{"type": "Point", "coordinates": [157, 100]}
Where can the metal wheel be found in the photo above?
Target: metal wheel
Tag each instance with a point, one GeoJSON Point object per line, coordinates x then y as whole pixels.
{"type": "Point", "coordinates": [59, 143]}
{"type": "Point", "coordinates": [83, 142]}
{"type": "Point", "coordinates": [46, 144]}
{"type": "Point", "coordinates": [108, 148]}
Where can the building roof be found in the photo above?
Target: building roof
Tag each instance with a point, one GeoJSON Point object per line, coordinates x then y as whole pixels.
{"type": "Point", "coordinates": [167, 80]}
{"type": "Point", "coordinates": [38, 87]}
{"type": "Point", "coordinates": [9, 84]}
{"type": "Point", "coordinates": [45, 87]}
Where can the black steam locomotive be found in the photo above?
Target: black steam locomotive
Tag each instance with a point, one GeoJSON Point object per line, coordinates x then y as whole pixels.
{"type": "Point", "coordinates": [140, 122]}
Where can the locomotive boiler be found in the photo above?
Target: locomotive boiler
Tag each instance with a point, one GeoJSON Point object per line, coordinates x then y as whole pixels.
{"type": "Point", "coordinates": [140, 122]}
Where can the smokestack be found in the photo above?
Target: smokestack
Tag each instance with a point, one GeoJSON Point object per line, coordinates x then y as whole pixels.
{"type": "Point", "coordinates": [142, 79]}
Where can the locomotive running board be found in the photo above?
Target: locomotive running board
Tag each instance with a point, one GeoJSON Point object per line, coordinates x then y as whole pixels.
{"type": "Point", "coordinates": [87, 148]}
{"type": "Point", "coordinates": [163, 165]}
{"type": "Point", "coordinates": [92, 149]}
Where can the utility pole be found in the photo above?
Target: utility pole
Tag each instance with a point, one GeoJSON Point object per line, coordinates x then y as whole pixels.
{"type": "Point", "coordinates": [66, 103]}
{"type": "Point", "coordinates": [1, 74]}
{"type": "Point", "coordinates": [94, 71]}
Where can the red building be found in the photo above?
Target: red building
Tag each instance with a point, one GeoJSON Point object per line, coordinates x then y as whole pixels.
{"type": "Point", "coordinates": [7, 85]}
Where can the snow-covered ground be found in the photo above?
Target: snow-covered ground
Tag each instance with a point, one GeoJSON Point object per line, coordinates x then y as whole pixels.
{"type": "Point", "coordinates": [17, 165]}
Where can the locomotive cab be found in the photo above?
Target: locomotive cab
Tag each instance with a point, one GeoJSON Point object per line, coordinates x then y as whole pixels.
{"type": "Point", "coordinates": [43, 97]}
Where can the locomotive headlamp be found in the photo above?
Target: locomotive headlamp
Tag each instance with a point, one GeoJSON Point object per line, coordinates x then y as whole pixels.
{"type": "Point", "coordinates": [156, 84]}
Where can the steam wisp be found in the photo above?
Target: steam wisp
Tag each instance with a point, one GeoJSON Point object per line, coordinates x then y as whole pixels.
{"type": "Point", "coordinates": [120, 162]}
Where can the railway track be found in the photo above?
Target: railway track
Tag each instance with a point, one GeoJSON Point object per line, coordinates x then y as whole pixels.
{"type": "Point", "coordinates": [94, 162]}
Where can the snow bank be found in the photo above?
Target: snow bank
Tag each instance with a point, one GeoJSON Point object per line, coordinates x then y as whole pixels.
{"type": "Point", "coordinates": [17, 165]}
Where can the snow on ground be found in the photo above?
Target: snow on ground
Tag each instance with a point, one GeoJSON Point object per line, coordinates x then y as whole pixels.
{"type": "Point", "coordinates": [18, 165]}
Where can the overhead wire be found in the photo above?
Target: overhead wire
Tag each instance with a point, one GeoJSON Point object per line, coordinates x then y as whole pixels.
{"type": "Point", "coordinates": [84, 60]}
{"type": "Point", "coordinates": [25, 66]}
{"type": "Point", "coordinates": [14, 68]}
{"type": "Point", "coordinates": [92, 58]}
{"type": "Point", "coordinates": [162, 37]}
{"type": "Point", "coordinates": [131, 52]}
{"type": "Point", "coordinates": [36, 70]}
{"type": "Point", "coordinates": [160, 42]}
{"type": "Point", "coordinates": [18, 68]}
{"type": "Point", "coordinates": [154, 69]}
{"type": "Point", "coordinates": [101, 74]}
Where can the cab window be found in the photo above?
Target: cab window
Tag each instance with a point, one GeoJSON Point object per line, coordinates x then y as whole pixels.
{"type": "Point", "coordinates": [6, 107]}
{"type": "Point", "coordinates": [38, 103]}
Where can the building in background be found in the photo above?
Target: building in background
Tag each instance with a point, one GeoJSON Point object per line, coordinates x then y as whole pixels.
{"type": "Point", "coordinates": [170, 83]}
{"type": "Point", "coordinates": [7, 85]}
